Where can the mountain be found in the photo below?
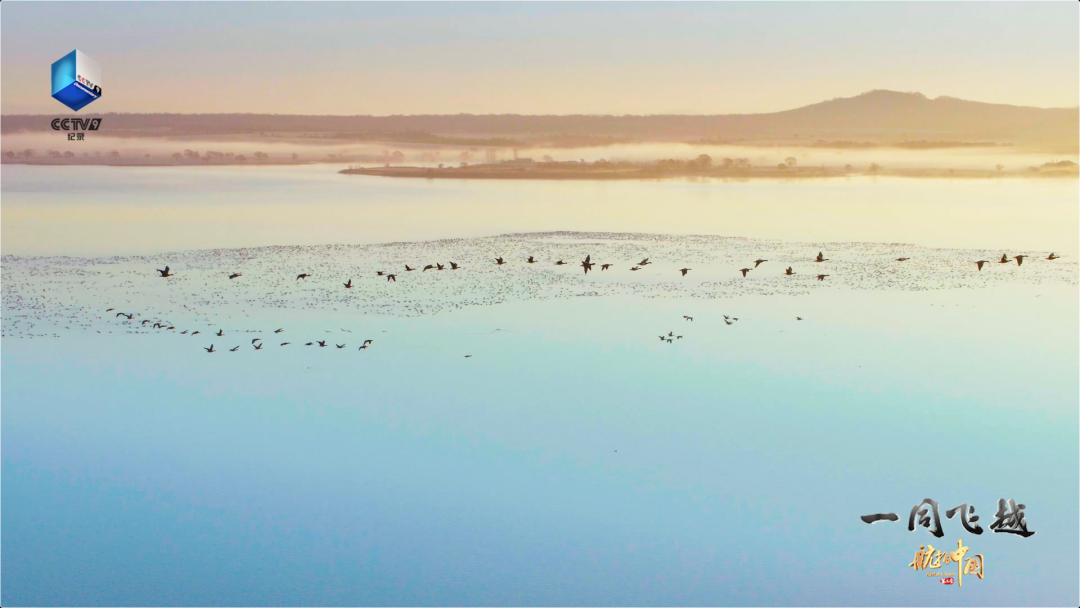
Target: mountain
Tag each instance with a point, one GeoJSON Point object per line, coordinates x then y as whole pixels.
{"type": "Point", "coordinates": [873, 116]}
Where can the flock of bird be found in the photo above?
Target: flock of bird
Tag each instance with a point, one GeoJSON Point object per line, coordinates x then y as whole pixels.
{"type": "Point", "coordinates": [587, 264]}
{"type": "Point", "coordinates": [244, 290]}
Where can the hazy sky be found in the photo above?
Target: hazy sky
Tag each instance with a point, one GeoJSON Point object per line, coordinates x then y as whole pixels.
{"type": "Point", "coordinates": [610, 58]}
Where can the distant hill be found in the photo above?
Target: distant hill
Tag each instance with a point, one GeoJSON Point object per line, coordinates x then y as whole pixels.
{"type": "Point", "coordinates": [874, 116]}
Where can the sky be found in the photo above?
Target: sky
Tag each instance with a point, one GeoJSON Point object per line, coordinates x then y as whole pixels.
{"type": "Point", "coordinates": [538, 58]}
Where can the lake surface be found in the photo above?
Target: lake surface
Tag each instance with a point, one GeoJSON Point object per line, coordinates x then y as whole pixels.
{"type": "Point", "coordinates": [573, 457]}
{"type": "Point", "coordinates": [135, 210]}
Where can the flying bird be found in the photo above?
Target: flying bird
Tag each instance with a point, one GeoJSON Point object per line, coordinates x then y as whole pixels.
{"type": "Point", "coordinates": [235, 275]}
{"type": "Point", "coordinates": [1052, 256]}
{"type": "Point", "coordinates": [286, 343]}
{"type": "Point", "coordinates": [380, 272]}
{"type": "Point", "coordinates": [1004, 259]}
{"type": "Point", "coordinates": [279, 330]}
{"type": "Point", "coordinates": [636, 268]}
{"type": "Point", "coordinates": [234, 349]}
{"type": "Point", "coordinates": [644, 262]}
{"type": "Point", "coordinates": [688, 318]}
{"type": "Point", "coordinates": [112, 309]}
{"type": "Point", "coordinates": [759, 262]}
{"type": "Point", "coordinates": [560, 263]}
{"type": "Point", "coordinates": [821, 277]}
{"type": "Point", "coordinates": [165, 273]}
{"type": "Point", "coordinates": [902, 259]}
{"type": "Point", "coordinates": [1019, 259]}
{"type": "Point", "coordinates": [980, 263]}
{"type": "Point", "coordinates": [302, 276]}
{"type": "Point", "coordinates": [499, 261]}
{"type": "Point", "coordinates": [391, 277]}
{"type": "Point", "coordinates": [428, 267]}
{"type": "Point", "coordinates": [258, 347]}
{"type": "Point", "coordinates": [789, 271]}
{"type": "Point", "coordinates": [686, 270]}
{"type": "Point", "coordinates": [322, 343]}
{"type": "Point", "coordinates": [821, 258]}
{"type": "Point", "coordinates": [348, 285]}
{"type": "Point", "coordinates": [439, 266]}
{"type": "Point", "coordinates": [366, 342]}
{"type": "Point", "coordinates": [454, 266]}
{"type": "Point", "coordinates": [209, 350]}
{"type": "Point", "coordinates": [340, 345]}
{"type": "Point", "coordinates": [407, 269]}
{"type": "Point", "coordinates": [220, 333]}
{"type": "Point", "coordinates": [254, 340]}
{"type": "Point", "coordinates": [531, 260]}
{"type": "Point", "coordinates": [605, 266]}
{"type": "Point", "coordinates": [744, 271]}
{"type": "Point", "coordinates": [587, 265]}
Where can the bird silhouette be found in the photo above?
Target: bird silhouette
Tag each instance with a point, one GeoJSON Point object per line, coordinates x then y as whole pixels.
{"type": "Point", "coordinates": [254, 340]}
{"type": "Point", "coordinates": [686, 270]}
{"type": "Point", "coordinates": [821, 258]}
{"type": "Point", "coordinates": [798, 318]}
{"type": "Point", "coordinates": [821, 277]}
{"type": "Point", "coordinates": [688, 318]}
{"type": "Point", "coordinates": [380, 272]}
{"type": "Point", "coordinates": [454, 266]}
{"type": "Point", "coordinates": [220, 333]}
{"type": "Point", "coordinates": [744, 271]}
{"type": "Point", "coordinates": [759, 262]}
{"type": "Point", "coordinates": [1052, 256]}
{"type": "Point", "coordinates": [165, 273]}
{"type": "Point", "coordinates": [439, 266]}
{"type": "Point", "coordinates": [258, 347]}
{"type": "Point", "coordinates": [407, 269]}
{"type": "Point", "coordinates": [209, 350]}
{"type": "Point", "coordinates": [279, 330]}
{"type": "Point", "coordinates": [235, 275]}
{"type": "Point", "coordinates": [194, 332]}
{"type": "Point", "coordinates": [644, 262]}
{"type": "Point", "coordinates": [348, 285]}
{"type": "Point", "coordinates": [1004, 259]}
{"type": "Point", "coordinates": [902, 259]}
{"type": "Point", "coordinates": [499, 261]}
{"type": "Point", "coordinates": [303, 275]}
{"type": "Point", "coordinates": [531, 260]}
{"type": "Point", "coordinates": [428, 267]}
{"type": "Point", "coordinates": [286, 343]}
{"type": "Point", "coordinates": [605, 266]}
{"type": "Point", "coordinates": [362, 347]}
{"type": "Point", "coordinates": [1019, 259]}
{"type": "Point", "coordinates": [234, 349]}
{"type": "Point", "coordinates": [322, 343]}
{"type": "Point", "coordinates": [340, 345]}
{"type": "Point", "coordinates": [112, 309]}
{"type": "Point", "coordinates": [560, 263]}
{"type": "Point", "coordinates": [366, 342]}
{"type": "Point", "coordinates": [980, 263]}
{"type": "Point", "coordinates": [586, 264]}
{"type": "Point", "coordinates": [636, 268]}
{"type": "Point", "coordinates": [391, 277]}
{"type": "Point", "coordinates": [789, 271]}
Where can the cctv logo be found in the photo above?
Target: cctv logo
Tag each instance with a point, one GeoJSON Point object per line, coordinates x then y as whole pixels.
{"type": "Point", "coordinates": [76, 80]}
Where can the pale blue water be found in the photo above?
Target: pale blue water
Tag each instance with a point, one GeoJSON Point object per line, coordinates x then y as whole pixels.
{"type": "Point", "coordinates": [140, 470]}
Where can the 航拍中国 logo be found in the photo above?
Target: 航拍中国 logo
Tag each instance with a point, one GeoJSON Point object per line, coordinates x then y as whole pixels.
{"type": "Point", "coordinates": [76, 80]}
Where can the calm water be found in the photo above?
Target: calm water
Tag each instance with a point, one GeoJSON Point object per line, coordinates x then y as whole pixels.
{"type": "Point", "coordinates": [107, 211]}
{"type": "Point", "coordinates": [573, 458]}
